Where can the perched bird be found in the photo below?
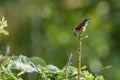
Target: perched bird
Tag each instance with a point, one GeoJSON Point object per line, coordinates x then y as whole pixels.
{"type": "Point", "coordinates": [81, 27]}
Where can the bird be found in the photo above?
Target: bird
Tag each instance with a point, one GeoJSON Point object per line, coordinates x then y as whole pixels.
{"type": "Point", "coordinates": [81, 27]}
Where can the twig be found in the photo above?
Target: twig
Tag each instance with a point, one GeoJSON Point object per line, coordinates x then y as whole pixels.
{"type": "Point", "coordinates": [101, 71]}
{"type": "Point", "coordinates": [105, 68]}
{"type": "Point", "coordinates": [68, 63]}
{"type": "Point", "coordinates": [19, 74]}
{"type": "Point", "coordinates": [7, 51]}
{"type": "Point", "coordinates": [6, 54]}
{"type": "Point", "coordinates": [70, 76]}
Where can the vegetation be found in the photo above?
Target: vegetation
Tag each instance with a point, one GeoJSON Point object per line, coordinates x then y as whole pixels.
{"type": "Point", "coordinates": [43, 28]}
{"type": "Point", "coordinates": [13, 67]}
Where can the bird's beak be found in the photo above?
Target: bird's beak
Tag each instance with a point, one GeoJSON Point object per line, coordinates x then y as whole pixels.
{"type": "Point", "coordinates": [89, 19]}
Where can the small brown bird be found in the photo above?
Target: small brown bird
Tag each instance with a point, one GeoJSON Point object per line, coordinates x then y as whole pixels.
{"type": "Point", "coordinates": [81, 27]}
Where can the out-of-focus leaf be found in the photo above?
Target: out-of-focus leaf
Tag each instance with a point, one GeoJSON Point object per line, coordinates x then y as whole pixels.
{"type": "Point", "coordinates": [107, 67]}
{"type": "Point", "coordinates": [38, 61]}
{"type": "Point", "coordinates": [44, 69]}
{"type": "Point", "coordinates": [88, 78]}
{"type": "Point", "coordinates": [3, 24]}
{"type": "Point", "coordinates": [1, 56]}
{"type": "Point", "coordinates": [4, 32]}
{"type": "Point", "coordinates": [84, 67]}
{"type": "Point", "coordinates": [72, 70]}
{"type": "Point", "coordinates": [21, 63]}
{"type": "Point", "coordinates": [87, 75]}
{"type": "Point", "coordinates": [15, 66]}
{"type": "Point", "coordinates": [53, 68]}
{"type": "Point", "coordinates": [100, 77]}
{"type": "Point", "coordinates": [59, 74]}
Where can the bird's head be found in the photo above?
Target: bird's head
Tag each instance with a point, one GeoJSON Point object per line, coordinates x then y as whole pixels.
{"type": "Point", "coordinates": [85, 21]}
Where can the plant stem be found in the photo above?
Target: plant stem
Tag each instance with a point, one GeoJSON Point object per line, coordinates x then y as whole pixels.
{"type": "Point", "coordinates": [68, 63]}
{"type": "Point", "coordinates": [79, 56]}
{"type": "Point", "coordinates": [71, 76]}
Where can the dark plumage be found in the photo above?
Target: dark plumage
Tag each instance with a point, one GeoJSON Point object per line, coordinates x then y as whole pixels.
{"type": "Point", "coordinates": [81, 27]}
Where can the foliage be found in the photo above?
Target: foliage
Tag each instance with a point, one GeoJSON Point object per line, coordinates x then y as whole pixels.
{"type": "Point", "coordinates": [43, 28]}
{"type": "Point", "coordinates": [13, 67]}
{"type": "Point", "coordinates": [3, 24]}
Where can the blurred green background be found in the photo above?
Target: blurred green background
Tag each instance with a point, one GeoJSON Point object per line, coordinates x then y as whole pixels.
{"type": "Point", "coordinates": [44, 28]}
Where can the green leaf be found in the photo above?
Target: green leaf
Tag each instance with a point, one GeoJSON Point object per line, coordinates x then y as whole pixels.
{"type": "Point", "coordinates": [72, 70]}
{"type": "Point", "coordinates": [100, 77]}
{"type": "Point", "coordinates": [4, 32]}
{"type": "Point", "coordinates": [1, 56]}
{"type": "Point", "coordinates": [53, 68]}
{"type": "Point", "coordinates": [38, 61]}
{"type": "Point", "coordinates": [87, 74]}
{"type": "Point", "coordinates": [88, 78]}
{"type": "Point", "coordinates": [84, 67]}
{"type": "Point", "coordinates": [21, 63]}
{"type": "Point", "coordinates": [3, 24]}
